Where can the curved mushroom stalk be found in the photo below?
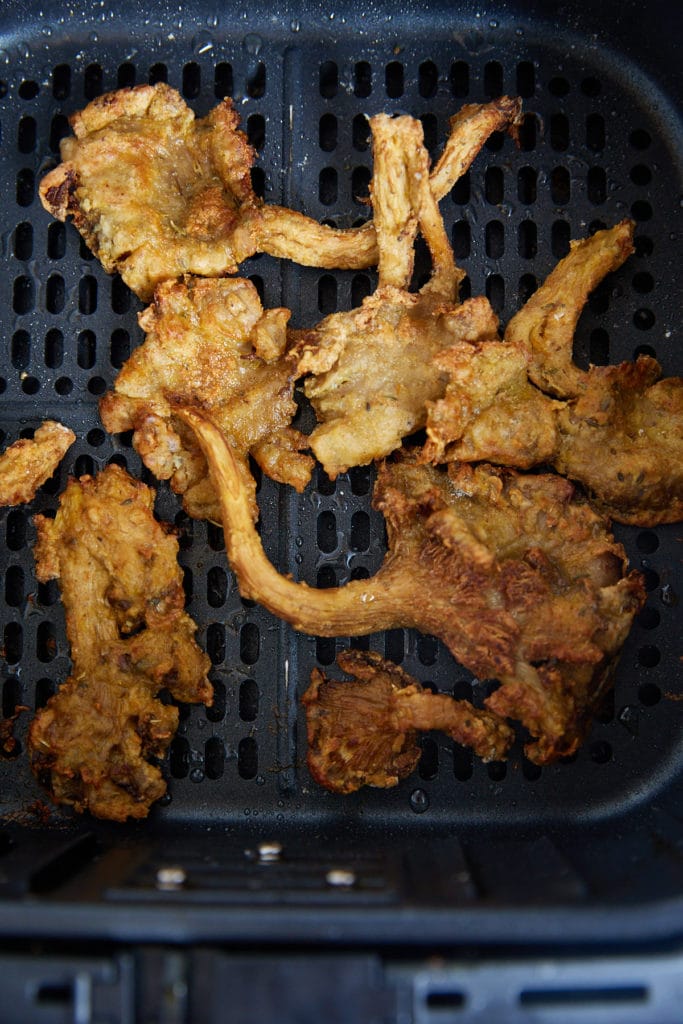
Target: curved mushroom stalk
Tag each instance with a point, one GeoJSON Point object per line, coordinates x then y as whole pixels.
{"type": "Point", "coordinates": [520, 580]}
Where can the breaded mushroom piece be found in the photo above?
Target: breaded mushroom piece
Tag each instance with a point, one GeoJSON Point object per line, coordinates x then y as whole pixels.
{"type": "Point", "coordinates": [29, 462]}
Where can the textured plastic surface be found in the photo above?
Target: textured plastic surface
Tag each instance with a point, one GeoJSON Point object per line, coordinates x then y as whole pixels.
{"type": "Point", "coordinates": [601, 140]}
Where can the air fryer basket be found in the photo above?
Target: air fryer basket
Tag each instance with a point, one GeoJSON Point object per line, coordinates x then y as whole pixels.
{"type": "Point", "coordinates": [498, 846]}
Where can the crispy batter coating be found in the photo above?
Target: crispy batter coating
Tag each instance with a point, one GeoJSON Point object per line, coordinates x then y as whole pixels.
{"type": "Point", "coordinates": [157, 194]}
{"type": "Point", "coordinates": [520, 578]}
{"type": "Point", "coordinates": [28, 463]}
{"type": "Point", "coordinates": [210, 343]}
{"type": "Point", "coordinates": [492, 411]}
{"type": "Point", "coordinates": [130, 637]}
{"type": "Point", "coordinates": [546, 324]}
{"type": "Point", "coordinates": [372, 370]}
{"type": "Point", "coordinates": [154, 192]}
{"type": "Point", "coordinates": [364, 733]}
{"type": "Point", "coordinates": [635, 421]}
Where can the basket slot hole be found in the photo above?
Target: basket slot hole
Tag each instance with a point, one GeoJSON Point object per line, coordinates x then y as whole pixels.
{"type": "Point", "coordinates": [28, 90]}
{"type": "Point", "coordinates": [14, 586]}
{"type": "Point", "coordinates": [360, 184]}
{"type": "Point", "coordinates": [560, 186]}
{"type": "Point", "coordinates": [192, 80]}
{"type": "Point", "coordinates": [361, 479]}
{"type": "Point", "coordinates": [216, 713]}
{"type": "Point", "coordinates": [247, 758]}
{"type": "Point", "coordinates": [59, 129]}
{"type": "Point", "coordinates": [394, 645]}
{"type": "Point", "coordinates": [430, 132]}
{"type": "Point", "coordinates": [558, 86]}
{"type": "Point", "coordinates": [13, 643]}
{"type": "Point", "coordinates": [527, 239]}
{"type": "Point", "coordinates": [462, 763]}
{"type": "Point", "coordinates": [462, 190]}
{"type": "Point", "coordinates": [559, 132]}
{"type": "Point", "coordinates": [215, 537]}
{"type": "Point", "coordinates": [527, 286]}
{"type": "Point", "coordinates": [179, 757]}
{"type": "Point", "coordinates": [360, 289]}
{"type": "Point", "coordinates": [21, 350]}
{"type": "Point", "coordinates": [215, 643]}
{"type": "Point", "coordinates": [93, 81]}
{"type": "Point", "coordinates": [61, 81]}
{"type": "Point", "coordinates": [214, 758]}
{"type": "Point", "coordinates": [495, 239]}
{"type": "Point", "coordinates": [54, 349]}
{"type": "Point", "coordinates": [493, 79]}
{"type": "Point", "coordinates": [327, 133]}
{"type": "Point", "coordinates": [640, 139]}
{"type": "Point", "coordinates": [393, 79]}
{"type": "Point", "coordinates": [256, 130]}
{"type": "Point", "coordinates": [250, 643]}
{"type": "Point", "coordinates": [461, 240]}
{"type": "Point", "coordinates": [56, 240]}
{"type": "Point", "coordinates": [256, 81]}
{"type": "Point", "coordinates": [84, 466]}
{"type": "Point", "coordinates": [362, 79]}
{"type": "Point", "coordinates": [325, 650]}
{"type": "Point", "coordinates": [595, 132]}
{"type": "Point", "coordinates": [428, 79]}
{"type": "Point", "coordinates": [360, 133]}
{"type": "Point", "coordinates": [528, 133]}
{"type": "Point", "coordinates": [495, 293]}
{"type": "Point", "coordinates": [494, 188]}
{"type": "Point", "coordinates": [360, 531]}
{"type": "Point", "coordinates": [119, 348]}
{"type": "Point", "coordinates": [428, 765]}
{"type": "Point", "coordinates": [55, 293]}
{"type": "Point", "coordinates": [25, 187]}
{"type": "Point", "coordinates": [596, 185]}
{"type": "Point", "coordinates": [24, 295]}
{"type": "Point", "coordinates": [158, 73]}
{"type": "Point", "coordinates": [598, 350]}
{"type": "Point", "coordinates": [327, 532]}
{"type": "Point", "coordinates": [328, 79]}
{"type": "Point", "coordinates": [45, 688]}
{"type": "Point", "coordinates": [126, 75]}
{"type": "Point", "coordinates": [15, 530]}
{"type": "Point", "coordinates": [248, 700]}
{"type": "Point", "coordinates": [327, 294]}
{"type": "Point", "coordinates": [86, 350]}
{"type": "Point", "coordinates": [26, 135]}
{"type": "Point", "coordinates": [327, 186]}
{"type": "Point", "coordinates": [526, 79]}
{"type": "Point", "coordinates": [527, 183]}
{"type": "Point", "coordinates": [23, 241]}
{"type": "Point", "coordinates": [427, 649]}
{"type": "Point", "coordinates": [577, 997]}
{"type": "Point", "coordinates": [46, 641]}
{"type": "Point", "coordinates": [559, 238]}
{"type": "Point", "coordinates": [216, 586]}
{"type": "Point", "coordinates": [223, 82]}
{"type": "Point", "coordinates": [120, 296]}
{"type": "Point", "coordinates": [459, 79]}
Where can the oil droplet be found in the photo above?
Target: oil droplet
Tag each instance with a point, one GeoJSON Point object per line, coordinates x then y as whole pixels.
{"type": "Point", "coordinates": [669, 595]}
{"type": "Point", "coordinates": [253, 44]}
{"type": "Point", "coordinates": [295, 25]}
{"type": "Point", "coordinates": [419, 801]}
{"type": "Point", "coordinates": [213, 21]}
{"type": "Point", "coordinates": [628, 716]}
{"type": "Point", "coordinates": [196, 775]}
{"type": "Point", "coordinates": [260, 780]}
{"type": "Point", "coordinates": [202, 43]}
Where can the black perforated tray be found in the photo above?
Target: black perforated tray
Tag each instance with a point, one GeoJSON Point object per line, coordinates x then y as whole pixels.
{"type": "Point", "coordinates": [601, 140]}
